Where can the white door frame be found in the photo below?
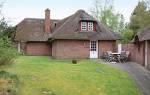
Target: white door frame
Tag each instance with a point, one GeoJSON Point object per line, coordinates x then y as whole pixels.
{"type": "Point", "coordinates": [19, 47]}
{"type": "Point", "coordinates": [119, 48]}
{"type": "Point", "coordinates": [146, 56]}
{"type": "Point", "coordinates": [94, 49]}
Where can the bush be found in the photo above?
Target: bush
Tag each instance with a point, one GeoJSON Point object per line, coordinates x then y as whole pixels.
{"type": "Point", "coordinates": [74, 61]}
{"type": "Point", "coordinates": [7, 55]}
{"type": "Point", "coordinates": [7, 52]}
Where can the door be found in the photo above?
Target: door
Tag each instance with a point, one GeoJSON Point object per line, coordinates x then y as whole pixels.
{"type": "Point", "coordinates": [93, 49]}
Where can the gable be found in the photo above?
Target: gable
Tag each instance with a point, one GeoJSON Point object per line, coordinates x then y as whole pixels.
{"type": "Point", "coordinates": [70, 29]}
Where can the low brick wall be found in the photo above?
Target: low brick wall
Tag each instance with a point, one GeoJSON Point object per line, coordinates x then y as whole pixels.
{"type": "Point", "coordinates": [106, 46]}
{"type": "Point", "coordinates": [136, 52]}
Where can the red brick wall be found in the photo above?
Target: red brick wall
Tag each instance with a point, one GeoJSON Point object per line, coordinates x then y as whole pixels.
{"type": "Point", "coordinates": [68, 49]}
{"type": "Point", "coordinates": [38, 48]}
{"type": "Point", "coordinates": [136, 52]}
{"type": "Point", "coordinates": [78, 49]}
{"type": "Point", "coordinates": [106, 46]}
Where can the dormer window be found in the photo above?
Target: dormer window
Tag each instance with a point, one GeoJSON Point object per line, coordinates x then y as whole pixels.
{"type": "Point", "coordinates": [83, 26]}
{"type": "Point", "coordinates": [87, 26]}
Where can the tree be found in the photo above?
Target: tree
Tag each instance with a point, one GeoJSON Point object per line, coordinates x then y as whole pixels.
{"type": "Point", "coordinates": [148, 4]}
{"type": "Point", "coordinates": [7, 51]}
{"type": "Point", "coordinates": [127, 35]}
{"type": "Point", "coordinates": [3, 27]}
{"type": "Point", "coordinates": [121, 24]}
{"type": "Point", "coordinates": [99, 6]}
{"type": "Point", "coordinates": [109, 18]}
{"type": "Point", "coordinates": [6, 30]}
{"type": "Point", "coordinates": [140, 17]}
{"type": "Point", "coordinates": [103, 10]}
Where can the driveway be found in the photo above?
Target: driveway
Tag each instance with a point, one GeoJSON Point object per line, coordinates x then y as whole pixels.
{"type": "Point", "coordinates": [138, 73]}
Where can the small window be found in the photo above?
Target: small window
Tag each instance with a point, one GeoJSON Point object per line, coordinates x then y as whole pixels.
{"type": "Point", "coordinates": [90, 26]}
{"type": "Point", "coordinates": [84, 26]}
{"type": "Point", "coordinates": [87, 26]}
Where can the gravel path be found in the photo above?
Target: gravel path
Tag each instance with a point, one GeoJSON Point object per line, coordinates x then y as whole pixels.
{"type": "Point", "coordinates": [138, 73]}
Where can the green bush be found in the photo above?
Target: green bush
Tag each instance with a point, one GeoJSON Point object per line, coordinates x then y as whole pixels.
{"type": "Point", "coordinates": [7, 55]}
{"type": "Point", "coordinates": [7, 52]}
{"type": "Point", "coordinates": [74, 61]}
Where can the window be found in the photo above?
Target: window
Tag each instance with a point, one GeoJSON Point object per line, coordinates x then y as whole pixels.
{"type": "Point", "coordinates": [93, 45]}
{"type": "Point", "coordinates": [90, 26]}
{"type": "Point", "coordinates": [83, 25]}
{"type": "Point", "coordinates": [87, 26]}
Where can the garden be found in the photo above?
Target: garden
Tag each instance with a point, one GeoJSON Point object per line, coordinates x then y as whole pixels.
{"type": "Point", "coordinates": [46, 76]}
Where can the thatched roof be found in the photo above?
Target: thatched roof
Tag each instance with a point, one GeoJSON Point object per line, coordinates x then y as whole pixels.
{"type": "Point", "coordinates": [31, 29]}
{"type": "Point", "coordinates": [68, 28]}
{"type": "Point", "coordinates": [143, 34]}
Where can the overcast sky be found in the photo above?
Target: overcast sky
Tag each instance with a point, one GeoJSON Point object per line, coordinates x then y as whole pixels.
{"type": "Point", "coordinates": [16, 10]}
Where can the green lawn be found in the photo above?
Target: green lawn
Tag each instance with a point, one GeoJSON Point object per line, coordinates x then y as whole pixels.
{"type": "Point", "coordinates": [45, 76]}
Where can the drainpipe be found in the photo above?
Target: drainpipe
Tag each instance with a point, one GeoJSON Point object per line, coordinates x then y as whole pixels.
{"type": "Point", "coordinates": [146, 57]}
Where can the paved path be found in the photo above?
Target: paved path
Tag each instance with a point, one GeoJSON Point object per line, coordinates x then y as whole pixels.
{"type": "Point", "coordinates": [138, 73]}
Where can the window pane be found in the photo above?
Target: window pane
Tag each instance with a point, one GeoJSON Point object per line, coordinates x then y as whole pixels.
{"type": "Point", "coordinates": [93, 46]}
{"type": "Point", "coordinates": [83, 25]}
{"type": "Point", "coordinates": [90, 26]}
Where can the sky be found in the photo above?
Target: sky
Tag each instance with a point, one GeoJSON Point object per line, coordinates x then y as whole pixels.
{"type": "Point", "coordinates": [16, 10]}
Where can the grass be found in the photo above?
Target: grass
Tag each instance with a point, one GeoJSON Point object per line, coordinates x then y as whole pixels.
{"type": "Point", "coordinates": [45, 76]}
{"type": "Point", "coordinates": [8, 83]}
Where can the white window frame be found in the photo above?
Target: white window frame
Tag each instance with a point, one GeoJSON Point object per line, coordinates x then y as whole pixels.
{"type": "Point", "coordinates": [90, 26]}
{"type": "Point", "coordinates": [83, 26]}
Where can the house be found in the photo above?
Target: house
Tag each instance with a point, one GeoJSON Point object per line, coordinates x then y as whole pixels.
{"type": "Point", "coordinates": [140, 48]}
{"type": "Point", "coordinates": [77, 36]}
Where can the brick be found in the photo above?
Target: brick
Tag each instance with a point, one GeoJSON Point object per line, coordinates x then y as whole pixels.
{"type": "Point", "coordinates": [78, 49]}
{"type": "Point", "coordinates": [136, 52]}
{"type": "Point", "coordinates": [38, 48]}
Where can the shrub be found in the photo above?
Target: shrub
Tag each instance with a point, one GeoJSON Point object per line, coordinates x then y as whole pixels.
{"type": "Point", "coordinates": [7, 52]}
{"type": "Point", "coordinates": [7, 55]}
{"type": "Point", "coordinates": [74, 61]}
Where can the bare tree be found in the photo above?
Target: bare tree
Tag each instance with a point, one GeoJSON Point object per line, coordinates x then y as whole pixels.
{"type": "Point", "coordinates": [99, 6]}
{"type": "Point", "coordinates": [96, 9]}
{"type": "Point", "coordinates": [103, 10]}
{"type": "Point", "coordinates": [148, 4]}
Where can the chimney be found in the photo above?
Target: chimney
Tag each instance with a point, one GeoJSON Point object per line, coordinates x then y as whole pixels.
{"type": "Point", "coordinates": [47, 21]}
